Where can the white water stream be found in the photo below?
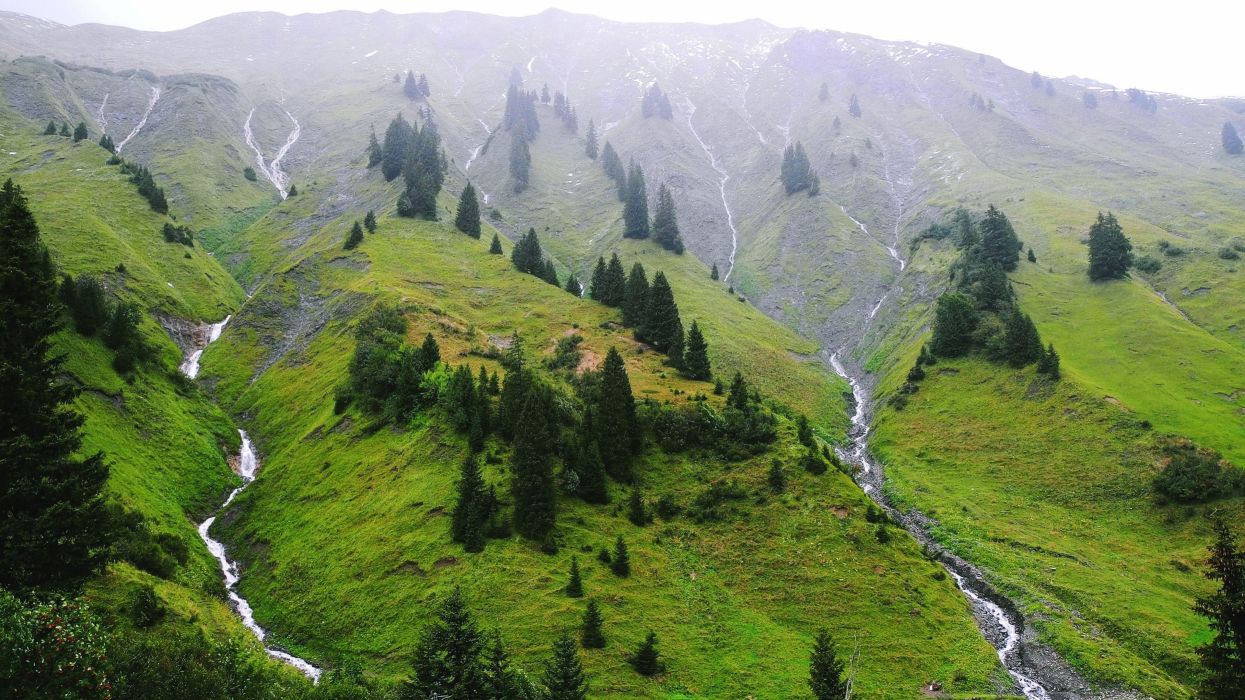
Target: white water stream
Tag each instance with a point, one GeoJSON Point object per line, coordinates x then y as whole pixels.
{"type": "Point", "coordinates": [722, 178]}
{"type": "Point", "coordinates": [190, 367]}
{"type": "Point", "coordinates": [155, 96]}
{"type": "Point", "coordinates": [272, 170]}
{"type": "Point", "coordinates": [100, 118]}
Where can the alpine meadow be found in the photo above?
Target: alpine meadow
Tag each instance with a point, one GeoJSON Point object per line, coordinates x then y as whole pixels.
{"type": "Point", "coordinates": [459, 356]}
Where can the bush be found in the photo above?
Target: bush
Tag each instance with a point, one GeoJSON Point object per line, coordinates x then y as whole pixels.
{"type": "Point", "coordinates": [1191, 474]}
{"type": "Point", "coordinates": [566, 355]}
{"type": "Point", "coordinates": [54, 649]}
{"type": "Point", "coordinates": [249, 173]}
{"type": "Point", "coordinates": [708, 504]}
{"type": "Point", "coordinates": [145, 607]}
{"type": "Point", "coordinates": [1148, 263]}
{"type": "Point", "coordinates": [666, 508]}
{"type": "Point", "coordinates": [1227, 253]}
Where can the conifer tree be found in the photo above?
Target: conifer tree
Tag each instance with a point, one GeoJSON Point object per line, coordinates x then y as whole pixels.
{"type": "Point", "coordinates": [1223, 657]}
{"type": "Point", "coordinates": [54, 529]}
{"type": "Point", "coordinates": [429, 352]}
{"type": "Point", "coordinates": [105, 142]}
{"type": "Point", "coordinates": [374, 152]}
{"type": "Point", "coordinates": [656, 103]}
{"type": "Point", "coordinates": [51, 130]}
{"type": "Point", "coordinates": [825, 670]}
{"type": "Point", "coordinates": [398, 139]}
{"type": "Point", "coordinates": [660, 326]}
{"type": "Point", "coordinates": [471, 510]}
{"type": "Point", "coordinates": [589, 469]}
{"type": "Point", "coordinates": [613, 285]}
{"type": "Point", "coordinates": [635, 207]}
{"type": "Point", "coordinates": [998, 240]}
{"type": "Point", "coordinates": [501, 681]}
{"type": "Point", "coordinates": [713, 274]}
{"type": "Point", "coordinates": [674, 351]}
{"type": "Point", "coordinates": [369, 221]}
{"type": "Point", "coordinates": [665, 222]}
{"type": "Point", "coordinates": [617, 431]}
{"type": "Point", "coordinates": [411, 87]}
{"type": "Point", "coordinates": [955, 319]}
{"type": "Point", "coordinates": [1231, 140]}
{"type": "Point", "coordinates": [591, 635]}
{"type": "Point", "coordinates": [355, 237]}
{"type": "Point", "coordinates": [564, 675]}
{"type": "Point", "coordinates": [1049, 364]}
{"type": "Point", "coordinates": [804, 430]}
{"type": "Point", "coordinates": [620, 561]}
{"type": "Point", "coordinates": [646, 660]}
{"type": "Point", "coordinates": [777, 478]}
{"type": "Point", "coordinates": [520, 163]}
{"type": "Point", "coordinates": [447, 658]}
{"type": "Point", "coordinates": [527, 255]}
{"type": "Point", "coordinates": [532, 487]}
{"type": "Point", "coordinates": [590, 141]}
{"type": "Point", "coordinates": [636, 512]}
{"type": "Point", "coordinates": [1021, 344]}
{"type": "Point", "coordinates": [635, 296]}
{"type": "Point", "coordinates": [90, 307]}
{"type": "Point", "coordinates": [424, 88]}
{"type": "Point", "coordinates": [797, 172]}
{"type": "Point", "coordinates": [550, 274]}
{"type": "Point", "coordinates": [853, 107]}
{"type": "Point", "coordinates": [80, 133]}
{"type": "Point", "coordinates": [1032, 256]}
{"type": "Point", "coordinates": [596, 285]}
{"type": "Point", "coordinates": [614, 170]}
{"type": "Point", "coordinates": [738, 396]}
{"type": "Point", "coordinates": [1110, 252]}
{"type": "Point", "coordinates": [65, 129]}
{"type": "Point", "coordinates": [494, 248]}
{"type": "Point", "coordinates": [575, 583]}
{"type": "Point", "coordinates": [696, 355]}
{"type": "Point", "coordinates": [468, 219]}
{"type": "Point", "coordinates": [572, 285]}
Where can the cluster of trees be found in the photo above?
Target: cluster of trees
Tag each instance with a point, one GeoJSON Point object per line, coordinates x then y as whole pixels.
{"type": "Point", "coordinates": [521, 122]}
{"type": "Point", "coordinates": [116, 323]}
{"type": "Point", "coordinates": [1110, 252]}
{"type": "Point", "coordinates": [178, 234]}
{"type": "Point", "coordinates": [141, 177]}
{"type": "Point", "coordinates": [1231, 140]}
{"type": "Point", "coordinates": [656, 103]}
{"type": "Point", "coordinates": [528, 257]}
{"type": "Point", "coordinates": [51, 129]}
{"type": "Point", "coordinates": [1142, 100]}
{"type": "Point", "coordinates": [105, 142]}
{"type": "Point", "coordinates": [1193, 474]}
{"type": "Point", "coordinates": [797, 173]}
{"type": "Point", "coordinates": [563, 109]}
{"type": "Point", "coordinates": [386, 375]}
{"type": "Point", "coordinates": [981, 104]}
{"type": "Point", "coordinates": [416, 88]}
{"type": "Point", "coordinates": [1223, 657]}
{"type": "Point", "coordinates": [614, 170]}
{"type": "Point", "coordinates": [664, 226]}
{"type": "Point", "coordinates": [743, 428]}
{"type": "Point", "coordinates": [415, 153]}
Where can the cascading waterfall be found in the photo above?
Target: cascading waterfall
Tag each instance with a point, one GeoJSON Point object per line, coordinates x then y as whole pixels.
{"type": "Point", "coordinates": [155, 97]}
{"type": "Point", "coordinates": [190, 367]}
{"type": "Point", "coordinates": [722, 178]}
{"type": "Point", "coordinates": [271, 170]}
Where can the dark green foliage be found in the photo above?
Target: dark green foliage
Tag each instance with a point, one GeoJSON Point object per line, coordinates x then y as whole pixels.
{"type": "Point", "coordinates": [105, 142]}
{"type": "Point", "coordinates": [564, 675]}
{"type": "Point", "coordinates": [501, 681]}
{"type": "Point", "coordinates": [249, 173]}
{"type": "Point", "coordinates": [696, 355]}
{"type": "Point", "coordinates": [646, 660]}
{"type": "Point", "coordinates": [447, 658]}
{"type": "Point", "coordinates": [1032, 256]}
{"type": "Point", "coordinates": [573, 285]}
{"type": "Point", "coordinates": [613, 288]}
{"type": "Point", "coordinates": [591, 635]}
{"type": "Point", "coordinates": [398, 138]}
{"type": "Point", "coordinates": [656, 103]}
{"type": "Point", "coordinates": [635, 296]}
{"type": "Point", "coordinates": [777, 478]}
{"type": "Point", "coordinates": [122, 336]}
{"type": "Point", "coordinates": [423, 171]}
{"type": "Point", "coordinates": [520, 163]}
{"type": "Point", "coordinates": [733, 434]}
{"type": "Point", "coordinates": [468, 219]}
{"type": "Point", "coordinates": [293, 191]}
{"type": "Point", "coordinates": [825, 671]}
{"type": "Point", "coordinates": [52, 649]}
{"type": "Point", "coordinates": [575, 583]}
{"type": "Point", "coordinates": [494, 248]}
{"type": "Point", "coordinates": [566, 354]}
{"type": "Point", "coordinates": [374, 153]}
{"type": "Point", "coordinates": [410, 87]}
{"type": "Point", "coordinates": [813, 462]}
{"type": "Point", "coordinates": [354, 238]}
{"type": "Point", "coordinates": [369, 221]}
{"type": "Point", "coordinates": [998, 240]}
{"type": "Point", "coordinates": [528, 257]}
{"type": "Point", "coordinates": [590, 141]}
{"type": "Point", "coordinates": [178, 234]}
{"type": "Point", "coordinates": [585, 462]}
{"type": "Point", "coordinates": [520, 115]}
{"type": "Point", "coordinates": [550, 274]}
{"type": "Point", "coordinates": [385, 374]}
{"type": "Point", "coordinates": [636, 512]}
{"type": "Point", "coordinates": [738, 396]}
{"type": "Point", "coordinates": [614, 170]}
{"type": "Point", "coordinates": [80, 133]}
{"type": "Point", "coordinates": [1049, 363]}
{"type": "Point", "coordinates": [713, 273]}
{"type": "Point", "coordinates": [1110, 252]}
{"type": "Point", "coordinates": [141, 176]}
{"type": "Point", "coordinates": [472, 509]}
{"type": "Point", "coordinates": [616, 429]}
{"type": "Point", "coordinates": [665, 222]}
{"type": "Point", "coordinates": [916, 374]}
{"type": "Point", "coordinates": [1192, 474]}
{"type": "Point", "coordinates": [660, 326]}
{"type": "Point", "coordinates": [532, 487]}
{"type": "Point", "coordinates": [797, 173]}
{"type": "Point", "coordinates": [620, 560]}
{"type": "Point", "coordinates": [804, 431]}
{"type": "Point", "coordinates": [64, 129]}
{"type": "Point", "coordinates": [986, 282]}
{"type": "Point", "coordinates": [90, 305]}
{"type": "Point", "coordinates": [955, 319]}
{"type": "Point", "coordinates": [54, 531]}
{"type": "Point", "coordinates": [1021, 344]}
{"type": "Point", "coordinates": [635, 205]}
{"type": "Point", "coordinates": [1223, 657]}
{"type": "Point", "coordinates": [145, 607]}
{"type": "Point", "coordinates": [51, 129]}
{"type": "Point", "coordinates": [853, 107]}
{"type": "Point", "coordinates": [1231, 140]}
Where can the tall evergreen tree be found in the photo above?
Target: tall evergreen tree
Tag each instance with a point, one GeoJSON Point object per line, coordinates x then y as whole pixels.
{"type": "Point", "coordinates": [447, 659]}
{"type": "Point", "coordinates": [661, 324]}
{"type": "Point", "coordinates": [564, 675]}
{"type": "Point", "coordinates": [532, 487]}
{"type": "Point", "coordinates": [635, 206]}
{"type": "Point", "coordinates": [613, 287]}
{"type": "Point", "coordinates": [955, 319]}
{"type": "Point", "coordinates": [374, 152]}
{"type": "Point", "coordinates": [472, 509]}
{"type": "Point", "coordinates": [853, 107]}
{"type": "Point", "coordinates": [620, 561]}
{"type": "Point", "coordinates": [501, 680]}
{"type": "Point", "coordinates": [468, 219]}
{"type": "Point", "coordinates": [1110, 252]}
{"type": "Point", "coordinates": [520, 163]}
{"type": "Point", "coordinates": [591, 635]}
{"type": "Point", "coordinates": [527, 255]}
{"type": "Point", "coordinates": [998, 240]}
{"type": "Point", "coordinates": [53, 527]}
{"type": "Point", "coordinates": [1049, 364]}
{"type": "Point", "coordinates": [646, 660]}
{"type": "Point", "coordinates": [614, 170]}
{"type": "Point", "coordinates": [369, 221]}
{"type": "Point", "coordinates": [51, 130]}
{"type": "Point", "coordinates": [1223, 657]}
{"type": "Point", "coordinates": [64, 129]}
{"type": "Point", "coordinates": [666, 223]}
{"type": "Point", "coordinates": [713, 274]}
{"type": "Point", "coordinates": [355, 237]}
{"type": "Point", "coordinates": [575, 582]}
{"type": "Point", "coordinates": [696, 355]}
{"type": "Point", "coordinates": [596, 285]}
{"type": "Point", "coordinates": [590, 141]}
{"type": "Point", "coordinates": [1022, 345]}
{"type": "Point", "coordinates": [398, 139]}
{"type": "Point", "coordinates": [424, 88]}
{"type": "Point", "coordinates": [587, 464]}
{"type": "Point", "coordinates": [80, 133]}
{"type": "Point", "coordinates": [550, 274]}
{"type": "Point", "coordinates": [411, 87]}
{"type": "Point", "coordinates": [90, 306]}
{"type": "Point", "coordinates": [636, 512]}
{"type": "Point", "coordinates": [1231, 140]}
{"type": "Point", "coordinates": [617, 431]}
{"type": "Point", "coordinates": [656, 103]}
{"type": "Point", "coordinates": [573, 285]}
{"type": "Point", "coordinates": [797, 173]}
{"type": "Point", "coordinates": [674, 351]}
{"type": "Point", "coordinates": [825, 670]}
{"type": "Point", "coordinates": [635, 296]}
{"type": "Point", "coordinates": [105, 142]}
{"type": "Point", "coordinates": [494, 248]}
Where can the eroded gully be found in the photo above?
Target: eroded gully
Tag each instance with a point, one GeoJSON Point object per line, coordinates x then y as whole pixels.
{"type": "Point", "coordinates": [271, 170]}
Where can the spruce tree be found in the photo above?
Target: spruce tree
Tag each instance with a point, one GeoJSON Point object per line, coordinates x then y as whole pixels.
{"type": "Point", "coordinates": [674, 351]}
{"type": "Point", "coordinates": [1021, 344]}
{"type": "Point", "coordinates": [293, 191]}
{"type": "Point", "coordinates": [501, 681]}
{"type": "Point", "coordinates": [564, 675]}
{"type": "Point", "coordinates": [494, 248]}
{"type": "Point", "coordinates": [54, 531]}
{"type": "Point", "coordinates": [424, 88]}
{"type": "Point", "coordinates": [575, 583]}
{"type": "Point", "coordinates": [447, 658]}
{"type": "Point", "coordinates": [411, 87]}
{"type": "Point", "coordinates": [713, 274]}
{"type": "Point", "coordinates": [635, 296]}
{"type": "Point", "coordinates": [613, 287]}
{"type": "Point", "coordinates": [797, 172]}
{"type": "Point", "coordinates": [737, 398]}
{"type": "Point", "coordinates": [80, 133]}
{"type": "Point", "coordinates": [665, 222]}
{"type": "Point", "coordinates": [550, 274]}
{"type": "Point", "coordinates": [51, 130]}
{"type": "Point", "coordinates": [572, 285]}
{"type": "Point", "coordinates": [1049, 364]}
{"type": "Point", "coordinates": [468, 219]}
{"type": "Point", "coordinates": [777, 477]}
{"type": "Point", "coordinates": [614, 170]}
{"type": "Point", "coordinates": [64, 129]}
{"type": "Point", "coordinates": [635, 206]}
{"type": "Point", "coordinates": [532, 486]}
{"type": "Point", "coordinates": [520, 162]}
{"type": "Point", "coordinates": [696, 355]}
{"type": "Point", "coordinates": [636, 512]}
{"type": "Point", "coordinates": [646, 660]}
{"type": "Point", "coordinates": [105, 142]}
{"type": "Point", "coordinates": [590, 635]}
{"type": "Point", "coordinates": [853, 107]}
{"type": "Point", "coordinates": [355, 237]}
{"type": "Point", "coordinates": [90, 306]}
{"type": "Point", "coordinates": [1110, 252]}
{"type": "Point", "coordinates": [660, 326]}
{"type": "Point", "coordinates": [374, 152]}
{"type": "Point", "coordinates": [617, 430]}
{"type": "Point", "coordinates": [369, 221]}
{"type": "Point", "coordinates": [1223, 657]}
{"type": "Point", "coordinates": [620, 561]}
{"type": "Point", "coordinates": [596, 285]}
{"type": "Point", "coordinates": [398, 138]}
{"type": "Point", "coordinates": [471, 509]}
{"type": "Point", "coordinates": [1032, 256]}
{"type": "Point", "coordinates": [998, 240]}
{"type": "Point", "coordinates": [825, 670]}
{"type": "Point", "coordinates": [590, 141]}
{"type": "Point", "coordinates": [955, 319]}
{"type": "Point", "coordinates": [1231, 140]}
{"type": "Point", "coordinates": [589, 468]}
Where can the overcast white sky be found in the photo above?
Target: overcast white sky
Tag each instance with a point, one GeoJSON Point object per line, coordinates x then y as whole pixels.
{"type": "Point", "coordinates": [1188, 47]}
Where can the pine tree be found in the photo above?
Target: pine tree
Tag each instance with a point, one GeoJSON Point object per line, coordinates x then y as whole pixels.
{"type": "Point", "coordinates": [64, 129]}
{"type": "Point", "coordinates": [575, 584]}
{"type": "Point", "coordinates": [656, 103]}
{"type": "Point", "coordinates": [429, 352]}
{"type": "Point", "coordinates": [374, 152]}
{"type": "Point", "coordinates": [620, 561]}
{"type": "Point", "coordinates": [573, 285]}
{"type": "Point", "coordinates": [797, 173]}
{"type": "Point", "coordinates": [447, 658]}
{"type": "Point", "coordinates": [853, 107]}
{"type": "Point", "coordinates": [398, 138]}
{"type": "Point", "coordinates": [590, 141]}
{"type": "Point", "coordinates": [80, 133]}
{"type": "Point", "coordinates": [825, 671]}
{"type": "Point", "coordinates": [696, 355]}
{"type": "Point", "coordinates": [494, 248]}
{"type": "Point", "coordinates": [411, 87]}
{"type": "Point", "coordinates": [424, 88]}
{"type": "Point", "coordinates": [777, 477]}
{"type": "Point", "coordinates": [613, 283]}
{"type": "Point", "coordinates": [51, 130]}
{"type": "Point", "coordinates": [660, 326]}
{"type": "Point", "coordinates": [1231, 140]}
{"type": "Point", "coordinates": [955, 319]}
{"type": "Point", "coordinates": [90, 306]}
{"type": "Point", "coordinates": [564, 675]}
{"type": "Point", "coordinates": [105, 142]}
{"type": "Point", "coordinates": [589, 469]}
{"type": "Point", "coordinates": [1223, 657]}
{"type": "Point", "coordinates": [532, 487]}
{"type": "Point", "coordinates": [635, 206]}
{"type": "Point", "coordinates": [713, 274]}
{"type": "Point", "coordinates": [1021, 344]}
{"type": "Point", "coordinates": [998, 240]}
{"type": "Point", "coordinates": [674, 351]}
{"type": "Point", "coordinates": [550, 274]}
{"type": "Point", "coordinates": [1032, 256]}
{"type": "Point", "coordinates": [468, 219]}
{"type": "Point", "coordinates": [596, 285]}
{"type": "Point", "coordinates": [471, 510]}
{"type": "Point", "coordinates": [520, 162]}
{"type": "Point", "coordinates": [614, 170]}
{"type": "Point", "coordinates": [1110, 252]}
{"type": "Point", "coordinates": [636, 512]}
{"type": "Point", "coordinates": [501, 681]}
{"type": "Point", "coordinates": [665, 222]}
{"type": "Point", "coordinates": [737, 398]}
{"type": "Point", "coordinates": [591, 635]}
{"type": "Point", "coordinates": [369, 221]}
{"type": "Point", "coordinates": [635, 296]}
{"type": "Point", "coordinates": [646, 660]}
{"type": "Point", "coordinates": [355, 238]}
{"type": "Point", "coordinates": [1049, 363]}
{"type": "Point", "coordinates": [527, 255]}
{"type": "Point", "coordinates": [617, 431]}
{"type": "Point", "coordinates": [54, 531]}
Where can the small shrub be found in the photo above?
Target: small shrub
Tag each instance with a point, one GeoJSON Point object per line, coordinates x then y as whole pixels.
{"type": "Point", "coordinates": [145, 607]}
{"type": "Point", "coordinates": [249, 173]}
{"type": "Point", "coordinates": [1227, 253]}
{"type": "Point", "coordinates": [1148, 264]}
{"type": "Point", "coordinates": [1192, 474]}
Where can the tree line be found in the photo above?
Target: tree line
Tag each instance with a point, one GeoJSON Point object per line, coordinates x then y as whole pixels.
{"type": "Point", "coordinates": [415, 153]}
